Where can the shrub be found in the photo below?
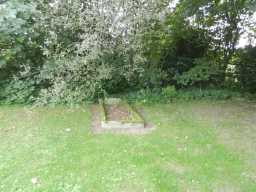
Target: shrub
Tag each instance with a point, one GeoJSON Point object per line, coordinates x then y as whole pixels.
{"type": "Point", "coordinates": [169, 94]}
{"type": "Point", "coordinates": [210, 94]}
{"type": "Point", "coordinates": [246, 69]}
{"type": "Point", "coordinates": [157, 95]}
{"type": "Point", "coordinates": [199, 75]}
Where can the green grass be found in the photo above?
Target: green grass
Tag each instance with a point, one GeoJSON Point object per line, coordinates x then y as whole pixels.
{"type": "Point", "coordinates": [197, 146]}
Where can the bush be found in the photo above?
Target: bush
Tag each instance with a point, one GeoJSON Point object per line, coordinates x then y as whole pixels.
{"type": "Point", "coordinates": [157, 95]}
{"type": "Point", "coordinates": [210, 94]}
{"type": "Point", "coordinates": [200, 75]}
{"type": "Point", "coordinates": [246, 69]}
{"type": "Point", "coordinates": [17, 92]}
{"type": "Point", "coordinates": [169, 94]}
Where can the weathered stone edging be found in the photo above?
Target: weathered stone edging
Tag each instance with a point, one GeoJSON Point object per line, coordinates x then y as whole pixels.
{"type": "Point", "coordinates": [136, 121]}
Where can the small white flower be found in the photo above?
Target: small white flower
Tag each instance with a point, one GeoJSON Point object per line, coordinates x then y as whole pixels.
{"type": "Point", "coordinates": [68, 130]}
{"type": "Point", "coordinates": [34, 180]}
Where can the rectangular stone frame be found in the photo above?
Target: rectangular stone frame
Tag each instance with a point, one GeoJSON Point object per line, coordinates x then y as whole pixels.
{"type": "Point", "coordinates": [136, 122]}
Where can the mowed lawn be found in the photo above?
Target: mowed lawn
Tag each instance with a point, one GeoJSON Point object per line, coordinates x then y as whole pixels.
{"type": "Point", "coordinates": [196, 146]}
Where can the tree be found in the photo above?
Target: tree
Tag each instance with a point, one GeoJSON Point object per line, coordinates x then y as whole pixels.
{"type": "Point", "coordinates": [224, 21]}
{"type": "Point", "coordinates": [19, 49]}
{"type": "Point", "coordinates": [16, 35]}
{"type": "Point", "coordinates": [246, 68]}
{"type": "Point", "coordinates": [85, 44]}
{"type": "Point", "coordinates": [70, 51]}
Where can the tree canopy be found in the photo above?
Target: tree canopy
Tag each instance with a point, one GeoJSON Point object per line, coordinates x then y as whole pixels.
{"type": "Point", "coordinates": [64, 51]}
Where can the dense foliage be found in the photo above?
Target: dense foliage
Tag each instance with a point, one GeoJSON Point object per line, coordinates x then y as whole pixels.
{"type": "Point", "coordinates": [64, 51]}
{"type": "Point", "coordinates": [246, 69]}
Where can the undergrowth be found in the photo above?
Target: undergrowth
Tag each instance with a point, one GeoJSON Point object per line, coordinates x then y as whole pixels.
{"type": "Point", "coordinates": [170, 94]}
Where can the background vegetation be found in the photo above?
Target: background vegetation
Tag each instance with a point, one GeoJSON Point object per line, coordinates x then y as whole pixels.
{"type": "Point", "coordinates": [72, 51]}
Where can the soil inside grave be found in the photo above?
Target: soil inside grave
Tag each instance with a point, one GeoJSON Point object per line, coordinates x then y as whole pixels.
{"type": "Point", "coordinates": [97, 128]}
{"type": "Point", "coordinates": [117, 112]}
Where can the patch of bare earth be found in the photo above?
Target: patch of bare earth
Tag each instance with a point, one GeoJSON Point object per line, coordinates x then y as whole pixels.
{"type": "Point", "coordinates": [117, 112]}
{"type": "Point", "coordinates": [176, 168]}
{"type": "Point", "coordinates": [96, 122]}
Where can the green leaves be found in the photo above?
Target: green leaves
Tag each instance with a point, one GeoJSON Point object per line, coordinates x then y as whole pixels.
{"type": "Point", "coordinates": [203, 71]}
{"type": "Point", "coordinates": [79, 50]}
{"type": "Point", "coordinates": [17, 48]}
{"type": "Point", "coordinates": [246, 69]}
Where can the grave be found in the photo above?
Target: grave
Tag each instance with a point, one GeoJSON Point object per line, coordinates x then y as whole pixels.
{"type": "Point", "coordinates": [118, 114]}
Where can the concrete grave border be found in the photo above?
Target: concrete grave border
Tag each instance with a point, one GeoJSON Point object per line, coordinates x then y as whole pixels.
{"type": "Point", "coordinates": [135, 121]}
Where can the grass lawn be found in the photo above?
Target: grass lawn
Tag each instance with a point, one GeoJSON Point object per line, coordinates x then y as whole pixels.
{"type": "Point", "coordinates": [197, 146]}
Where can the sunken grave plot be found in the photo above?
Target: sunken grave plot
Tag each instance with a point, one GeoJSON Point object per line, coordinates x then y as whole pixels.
{"type": "Point", "coordinates": [118, 114]}
{"type": "Point", "coordinates": [114, 115]}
